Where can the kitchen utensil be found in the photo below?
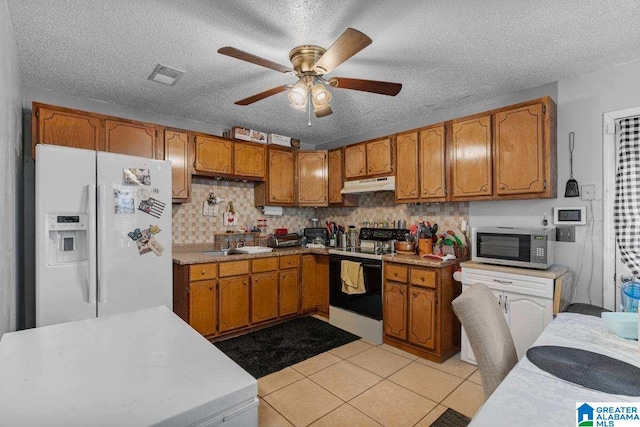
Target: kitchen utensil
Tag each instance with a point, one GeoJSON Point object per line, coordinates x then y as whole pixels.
{"type": "Point", "coordinates": [571, 189]}
{"type": "Point", "coordinates": [402, 224]}
{"type": "Point", "coordinates": [434, 229]}
{"type": "Point", "coordinates": [405, 246]}
{"type": "Point", "coordinates": [314, 222]}
{"type": "Point", "coordinates": [452, 234]}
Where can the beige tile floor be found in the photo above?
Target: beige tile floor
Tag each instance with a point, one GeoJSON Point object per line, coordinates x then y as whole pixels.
{"type": "Point", "coordinates": [360, 384]}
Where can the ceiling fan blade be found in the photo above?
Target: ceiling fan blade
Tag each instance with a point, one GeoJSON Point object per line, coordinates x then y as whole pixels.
{"type": "Point", "coordinates": [373, 86]}
{"type": "Point", "coordinates": [246, 56]}
{"type": "Point", "coordinates": [322, 111]}
{"type": "Point", "coordinates": [348, 44]}
{"type": "Point", "coordinates": [262, 95]}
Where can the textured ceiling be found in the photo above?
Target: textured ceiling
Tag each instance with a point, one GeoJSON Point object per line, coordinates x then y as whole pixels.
{"type": "Point", "coordinates": [446, 53]}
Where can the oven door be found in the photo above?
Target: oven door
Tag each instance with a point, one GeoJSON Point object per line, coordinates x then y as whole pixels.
{"type": "Point", "coordinates": [368, 304]}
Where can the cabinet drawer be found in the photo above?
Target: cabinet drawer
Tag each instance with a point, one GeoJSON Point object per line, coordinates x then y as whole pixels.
{"type": "Point", "coordinates": [264, 264]}
{"type": "Point", "coordinates": [234, 268]}
{"type": "Point", "coordinates": [426, 278]}
{"type": "Point", "coordinates": [394, 272]}
{"type": "Point", "coordinates": [203, 271]}
{"type": "Point", "coordinates": [288, 261]}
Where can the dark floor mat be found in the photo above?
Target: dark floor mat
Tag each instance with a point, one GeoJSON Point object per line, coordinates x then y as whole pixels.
{"type": "Point", "coordinates": [591, 370]}
{"type": "Point", "coordinates": [451, 418]}
{"type": "Point", "coordinates": [271, 349]}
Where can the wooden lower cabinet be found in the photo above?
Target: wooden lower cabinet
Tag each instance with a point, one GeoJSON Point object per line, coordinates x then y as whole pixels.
{"type": "Point", "coordinates": [417, 313]}
{"type": "Point", "coordinates": [264, 297]}
{"type": "Point", "coordinates": [233, 303]}
{"type": "Point", "coordinates": [395, 310]}
{"type": "Point", "coordinates": [203, 306]}
{"type": "Point", "coordinates": [315, 283]}
{"type": "Point", "coordinates": [231, 297]}
{"type": "Point", "coordinates": [289, 295]}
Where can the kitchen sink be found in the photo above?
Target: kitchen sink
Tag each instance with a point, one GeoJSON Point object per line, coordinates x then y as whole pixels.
{"type": "Point", "coordinates": [220, 253]}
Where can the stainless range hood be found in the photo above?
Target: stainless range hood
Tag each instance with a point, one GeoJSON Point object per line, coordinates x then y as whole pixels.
{"type": "Point", "coordinates": [369, 185]}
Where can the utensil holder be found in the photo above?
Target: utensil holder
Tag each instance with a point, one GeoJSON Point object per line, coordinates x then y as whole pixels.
{"type": "Point", "coordinates": [425, 246]}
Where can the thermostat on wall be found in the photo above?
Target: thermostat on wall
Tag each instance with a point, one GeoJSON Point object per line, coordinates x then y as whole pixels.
{"type": "Point", "coordinates": [575, 215]}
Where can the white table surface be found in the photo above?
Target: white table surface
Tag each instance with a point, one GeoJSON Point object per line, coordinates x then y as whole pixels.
{"type": "Point", "coordinates": [530, 396]}
{"type": "Point", "coordinates": [142, 368]}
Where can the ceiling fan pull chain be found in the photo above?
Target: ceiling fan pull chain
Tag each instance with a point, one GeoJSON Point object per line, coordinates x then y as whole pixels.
{"type": "Point", "coordinates": [309, 108]}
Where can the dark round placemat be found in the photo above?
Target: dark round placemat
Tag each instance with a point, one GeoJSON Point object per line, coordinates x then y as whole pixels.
{"type": "Point", "coordinates": [592, 370]}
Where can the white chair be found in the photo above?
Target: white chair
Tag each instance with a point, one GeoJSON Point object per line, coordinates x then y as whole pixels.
{"type": "Point", "coordinates": [488, 334]}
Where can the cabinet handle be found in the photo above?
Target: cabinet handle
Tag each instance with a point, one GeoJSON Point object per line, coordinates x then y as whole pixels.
{"type": "Point", "coordinates": [203, 272]}
{"type": "Point", "coordinates": [504, 282]}
{"type": "Point", "coordinates": [484, 188]}
{"type": "Point", "coordinates": [210, 288]}
{"type": "Point", "coordinates": [422, 278]}
{"type": "Point", "coordinates": [502, 187]}
{"type": "Point", "coordinates": [244, 283]}
{"type": "Point", "coordinates": [415, 294]}
{"type": "Point", "coordinates": [500, 301]}
{"type": "Point", "coordinates": [506, 304]}
{"type": "Point", "coordinates": [401, 291]}
{"type": "Point", "coordinates": [413, 193]}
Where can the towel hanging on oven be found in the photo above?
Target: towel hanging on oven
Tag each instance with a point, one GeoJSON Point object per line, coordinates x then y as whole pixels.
{"type": "Point", "coordinates": [352, 277]}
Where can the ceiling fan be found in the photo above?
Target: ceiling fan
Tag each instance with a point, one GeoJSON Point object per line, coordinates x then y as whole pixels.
{"type": "Point", "coordinates": [309, 64]}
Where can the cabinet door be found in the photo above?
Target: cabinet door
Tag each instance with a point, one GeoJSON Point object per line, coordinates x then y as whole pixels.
{"type": "Point", "coordinates": [519, 151]}
{"type": "Point", "coordinates": [264, 297]}
{"type": "Point", "coordinates": [289, 294]}
{"type": "Point", "coordinates": [66, 127]}
{"type": "Point", "coordinates": [355, 161]}
{"type": "Point", "coordinates": [312, 178]}
{"type": "Point", "coordinates": [214, 155]}
{"type": "Point", "coordinates": [379, 157]}
{"type": "Point", "coordinates": [250, 160]}
{"type": "Point", "coordinates": [335, 176]}
{"type": "Point", "coordinates": [134, 139]}
{"type": "Point", "coordinates": [433, 181]}
{"type": "Point", "coordinates": [471, 158]}
{"type": "Point", "coordinates": [315, 282]}
{"type": "Point", "coordinates": [176, 150]}
{"type": "Point", "coordinates": [422, 318]}
{"type": "Point", "coordinates": [407, 170]}
{"type": "Point", "coordinates": [395, 310]}
{"type": "Point", "coordinates": [202, 306]}
{"type": "Point", "coordinates": [527, 317]}
{"type": "Point", "coordinates": [281, 185]}
{"type": "Point", "coordinates": [233, 303]}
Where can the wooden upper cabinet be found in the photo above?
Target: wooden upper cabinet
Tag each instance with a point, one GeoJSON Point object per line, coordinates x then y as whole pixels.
{"type": "Point", "coordinates": [407, 167]}
{"type": "Point", "coordinates": [279, 189]}
{"type": "Point", "coordinates": [379, 157]}
{"type": "Point", "coordinates": [371, 158]}
{"type": "Point", "coordinates": [214, 155]}
{"type": "Point", "coordinates": [134, 139]}
{"type": "Point", "coordinates": [471, 158]}
{"type": "Point", "coordinates": [355, 161]}
{"type": "Point", "coordinates": [433, 166]}
{"type": "Point", "coordinates": [312, 178]}
{"type": "Point", "coordinates": [70, 128]}
{"type": "Point", "coordinates": [176, 150]}
{"type": "Point", "coordinates": [336, 180]}
{"type": "Point", "coordinates": [250, 160]}
{"type": "Point", "coordinates": [520, 158]}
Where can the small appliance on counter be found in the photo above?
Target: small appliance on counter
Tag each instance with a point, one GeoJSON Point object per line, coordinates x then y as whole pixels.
{"type": "Point", "coordinates": [317, 235]}
{"type": "Point", "coordinates": [284, 241]}
{"type": "Point", "coordinates": [513, 246]}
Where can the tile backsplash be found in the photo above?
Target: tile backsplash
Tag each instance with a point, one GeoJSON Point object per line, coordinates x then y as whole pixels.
{"type": "Point", "coordinates": [190, 226]}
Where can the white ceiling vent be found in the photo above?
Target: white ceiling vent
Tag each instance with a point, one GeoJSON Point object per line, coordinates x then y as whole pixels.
{"type": "Point", "coordinates": [166, 75]}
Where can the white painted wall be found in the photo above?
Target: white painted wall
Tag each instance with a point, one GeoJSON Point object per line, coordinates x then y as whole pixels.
{"type": "Point", "coordinates": [10, 164]}
{"type": "Point", "coordinates": [582, 102]}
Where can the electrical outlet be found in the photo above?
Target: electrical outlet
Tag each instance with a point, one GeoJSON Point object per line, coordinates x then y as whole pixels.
{"type": "Point", "coordinates": [566, 233]}
{"type": "Point", "coordinates": [588, 192]}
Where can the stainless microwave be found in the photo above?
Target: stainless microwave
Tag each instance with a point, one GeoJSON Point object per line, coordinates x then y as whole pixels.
{"type": "Point", "coordinates": [512, 246]}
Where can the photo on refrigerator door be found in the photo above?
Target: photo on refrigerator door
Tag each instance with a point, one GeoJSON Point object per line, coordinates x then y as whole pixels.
{"type": "Point", "coordinates": [138, 176]}
{"type": "Point", "coordinates": [123, 200]}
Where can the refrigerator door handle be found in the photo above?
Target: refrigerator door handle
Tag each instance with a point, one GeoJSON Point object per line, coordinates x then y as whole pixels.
{"type": "Point", "coordinates": [91, 249]}
{"type": "Point", "coordinates": [102, 229]}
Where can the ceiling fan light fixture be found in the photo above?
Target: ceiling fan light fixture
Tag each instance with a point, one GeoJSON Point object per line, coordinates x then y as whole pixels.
{"type": "Point", "coordinates": [298, 96]}
{"type": "Point", "coordinates": [320, 95]}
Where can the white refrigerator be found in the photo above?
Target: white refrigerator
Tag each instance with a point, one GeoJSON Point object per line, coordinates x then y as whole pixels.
{"type": "Point", "coordinates": [103, 234]}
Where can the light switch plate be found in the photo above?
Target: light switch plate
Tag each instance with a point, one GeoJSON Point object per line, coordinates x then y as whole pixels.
{"type": "Point", "coordinates": [566, 233]}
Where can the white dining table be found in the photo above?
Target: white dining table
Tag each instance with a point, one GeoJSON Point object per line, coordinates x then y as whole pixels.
{"type": "Point", "coordinates": [530, 396]}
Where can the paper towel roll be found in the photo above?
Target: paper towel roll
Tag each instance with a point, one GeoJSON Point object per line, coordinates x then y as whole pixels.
{"type": "Point", "coordinates": [272, 210]}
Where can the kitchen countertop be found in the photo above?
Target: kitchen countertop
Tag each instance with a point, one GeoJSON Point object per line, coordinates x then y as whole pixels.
{"type": "Point", "coordinates": [552, 272]}
{"type": "Point", "coordinates": [194, 255]}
